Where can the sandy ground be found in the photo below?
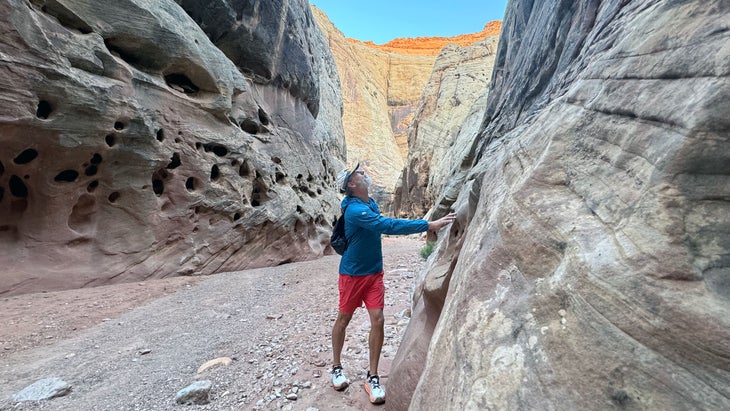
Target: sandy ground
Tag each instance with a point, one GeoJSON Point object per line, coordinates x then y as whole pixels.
{"type": "Point", "coordinates": [134, 346]}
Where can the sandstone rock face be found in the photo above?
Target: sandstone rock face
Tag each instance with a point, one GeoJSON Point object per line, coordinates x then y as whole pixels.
{"type": "Point", "coordinates": [132, 147]}
{"type": "Point", "coordinates": [589, 265]}
{"type": "Point", "coordinates": [440, 133]}
{"type": "Point", "coordinates": [380, 91]}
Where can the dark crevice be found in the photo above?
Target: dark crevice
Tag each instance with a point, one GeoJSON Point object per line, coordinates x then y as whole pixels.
{"type": "Point", "coordinates": [250, 126]}
{"type": "Point", "coordinates": [67, 176]}
{"type": "Point", "coordinates": [118, 125]}
{"type": "Point", "coordinates": [17, 187]}
{"type": "Point", "coordinates": [181, 83]}
{"type": "Point", "coordinates": [191, 183]}
{"type": "Point", "coordinates": [158, 186]}
{"type": "Point", "coordinates": [44, 110]}
{"type": "Point", "coordinates": [110, 140]}
{"type": "Point", "coordinates": [214, 173]}
{"type": "Point", "coordinates": [174, 162]}
{"type": "Point", "coordinates": [244, 170]}
{"type": "Point", "coordinates": [91, 170]}
{"type": "Point", "coordinates": [113, 197]}
{"type": "Point", "coordinates": [96, 159]}
{"type": "Point", "coordinates": [160, 135]}
{"type": "Point", "coordinates": [92, 186]}
{"type": "Point", "coordinates": [26, 156]}
{"type": "Point", "coordinates": [217, 149]}
{"type": "Point", "coordinates": [263, 117]}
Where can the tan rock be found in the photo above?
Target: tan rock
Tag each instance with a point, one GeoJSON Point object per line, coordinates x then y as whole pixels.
{"type": "Point", "coordinates": [225, 361]}
{"type": "Point", "coordinates": [446, 122]}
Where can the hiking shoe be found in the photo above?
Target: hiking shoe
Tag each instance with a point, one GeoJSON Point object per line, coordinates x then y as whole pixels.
{"type": "Point", "coordinates": [339, 381]}
{"type": "Point", "coordinates": [376, 391]}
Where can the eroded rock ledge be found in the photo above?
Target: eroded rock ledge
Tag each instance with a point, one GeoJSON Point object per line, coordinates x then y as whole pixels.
{"type": "Point", "coordinates": [134, 148]}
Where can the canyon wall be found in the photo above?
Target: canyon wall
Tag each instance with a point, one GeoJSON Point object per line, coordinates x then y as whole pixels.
{"type": "Point", "coordinates": [446, 123]}
{"type": "Point", "coordinates": [588, 267]}
{"type": "Point", "coordinates": [381, 89]}
{"type": "Point", "coordinates": [138, 144]}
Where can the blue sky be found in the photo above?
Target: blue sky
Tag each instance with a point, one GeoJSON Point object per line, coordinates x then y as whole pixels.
{"type": "Point", "coordinates": [384, 20]}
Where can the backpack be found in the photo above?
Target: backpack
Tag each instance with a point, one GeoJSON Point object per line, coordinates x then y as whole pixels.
{"type": "Point", "coordinates": [338, 241]}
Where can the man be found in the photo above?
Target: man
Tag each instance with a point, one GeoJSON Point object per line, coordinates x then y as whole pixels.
{"type": "Point", "coordinates": [361, 272]}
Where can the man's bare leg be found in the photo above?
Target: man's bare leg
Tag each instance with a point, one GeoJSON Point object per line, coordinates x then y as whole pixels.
{"type": "Point", "coordinates": [339, 330]}
{"type": "Point", "coordinates": [377, 334]}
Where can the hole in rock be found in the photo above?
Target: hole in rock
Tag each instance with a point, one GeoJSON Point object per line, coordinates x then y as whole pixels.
{"type": "Point", "coordinates": [43, 110]}
{"type": "Point", "coordinates": [67, 175]}
{"type": "Point", "coordinates": [92, 186]}
{"type": "Point", "coordinates": [110, 140]}
{"type": "Point", "coordinates": [276, 160]}
{"type": "Point", "coordinates": [160, 135]}
{"type": "Point", "coordinates": [191, 184]}
{"type": "Point", "coordinates": [181, 83]}
{"type": "Point", "coordinates": [300, 210]}
{"type": "Point", "coordinates": [2, 193]}
{"type": "Point", "coordinates": [255, 202]}
{"type": "Point", "coordinates": [263, 117]}
{"type": "Point", "coordinates": [26, 156]}
{"type": "Point", "coordinates": [91, 170]}
{"type": "Point", "coordinates": [17, 187]}
{"type": "Point", "coordinates": [244, 170]}
{"type": "Point", "coordinates": [198, 145]}
{"type": "Point", "coordinates": [95, 159]}
{"type": "Point", "coordinates": [236, 216]}
{"type": "Point", "coordinates": [158, 186]}
{"type": "Point", "coordinates": [280, 177]}
{"type": "Point", "coordinates": [214, 172]}
{"type": "Point", "coordinates": [118, 125]}
{"type": "Point", "coordinates": [250, 126]}
{"type": "Point", "coordinates": [217, 149]}
{"type": "Point", "coordinates": [113, 197]}
{"type": "Point", "coordinates": [174, 161]}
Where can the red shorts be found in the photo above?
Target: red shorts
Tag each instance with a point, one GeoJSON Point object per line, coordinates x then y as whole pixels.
{"type": "Point", "coordinates": [358, 289]}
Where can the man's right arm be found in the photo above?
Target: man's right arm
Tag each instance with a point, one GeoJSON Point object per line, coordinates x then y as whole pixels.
{"type": "Point", "coordinates": [441, 222]}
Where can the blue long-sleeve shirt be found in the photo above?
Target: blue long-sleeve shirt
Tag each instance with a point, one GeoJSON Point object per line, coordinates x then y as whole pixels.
{"type": "Point", "coordinates": [363, 228]}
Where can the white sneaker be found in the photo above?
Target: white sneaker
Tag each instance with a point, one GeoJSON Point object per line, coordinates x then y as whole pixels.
{"type": "Point", "coordinates": [339, 381]}
{"type": "Point", "coordinates": [376, 391]}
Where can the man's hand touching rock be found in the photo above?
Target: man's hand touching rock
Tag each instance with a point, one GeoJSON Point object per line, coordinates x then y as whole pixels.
{"type": "Point", "coordinates": [441, 222]}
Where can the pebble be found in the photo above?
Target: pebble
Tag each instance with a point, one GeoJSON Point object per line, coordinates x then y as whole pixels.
{"type": "Point", "coordinates": [196, 393]}
{"type": "Point", "coordinates": [43, 390]}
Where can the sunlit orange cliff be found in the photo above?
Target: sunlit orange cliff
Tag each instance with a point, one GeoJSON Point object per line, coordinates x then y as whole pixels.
{"type": "Point", "coordinates": [431, 46]}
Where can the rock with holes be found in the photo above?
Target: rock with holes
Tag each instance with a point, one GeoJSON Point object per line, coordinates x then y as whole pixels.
{"type": "Point", "coordinates": [136, 148]}
{"type": "Point", "coordinates": [588, 267]}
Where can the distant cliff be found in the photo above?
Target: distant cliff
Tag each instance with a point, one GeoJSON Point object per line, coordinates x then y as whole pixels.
{"type": "Point", "coordinates": [381, 89]}
{"type": "Point", "coordinates": [446, 123]}
{"type": "Point", "coordinates": [432, 46]}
